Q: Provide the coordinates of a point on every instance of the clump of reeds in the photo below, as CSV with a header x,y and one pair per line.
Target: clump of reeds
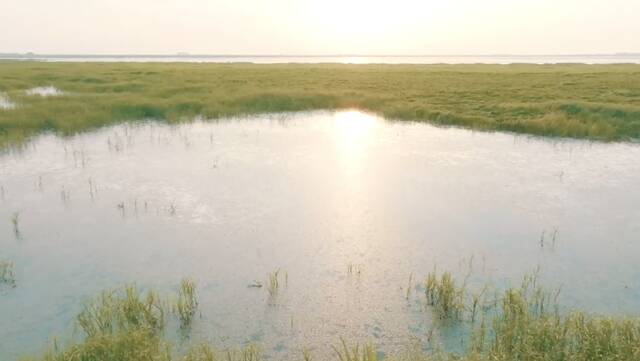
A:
x,y
204,352
366,352
248,353
354,269
443,293
122,310
186,304
7,275
273,282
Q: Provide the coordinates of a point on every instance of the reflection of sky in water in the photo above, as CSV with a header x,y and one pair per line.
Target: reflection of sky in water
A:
x,y
44,91
228,201
6,103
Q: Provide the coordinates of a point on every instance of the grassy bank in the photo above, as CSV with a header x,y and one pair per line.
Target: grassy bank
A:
x,y
581,101
520,323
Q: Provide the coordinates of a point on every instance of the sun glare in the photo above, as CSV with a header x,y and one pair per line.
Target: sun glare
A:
x,y
353,131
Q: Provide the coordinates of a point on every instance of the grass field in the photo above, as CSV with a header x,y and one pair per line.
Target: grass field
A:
x,y
599,102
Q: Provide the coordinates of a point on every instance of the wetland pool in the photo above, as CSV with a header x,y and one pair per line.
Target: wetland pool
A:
x,y
315,195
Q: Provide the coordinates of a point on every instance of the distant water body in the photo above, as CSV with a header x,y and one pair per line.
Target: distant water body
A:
x,y
356,59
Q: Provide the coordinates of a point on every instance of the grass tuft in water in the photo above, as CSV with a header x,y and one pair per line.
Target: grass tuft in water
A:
x,y
122,310
186,304
7,275
443,293
344,352
273,284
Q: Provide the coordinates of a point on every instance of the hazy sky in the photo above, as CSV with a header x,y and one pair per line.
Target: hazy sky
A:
x,y
320,27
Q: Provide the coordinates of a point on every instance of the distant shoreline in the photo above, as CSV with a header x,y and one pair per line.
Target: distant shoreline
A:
x,y
617,58
546,100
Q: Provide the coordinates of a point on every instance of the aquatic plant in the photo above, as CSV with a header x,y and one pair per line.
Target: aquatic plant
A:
x,y
126,325
353,268
186,304
122,310
7,275
366,352
306,354
445,295
409,286
273,284
15,221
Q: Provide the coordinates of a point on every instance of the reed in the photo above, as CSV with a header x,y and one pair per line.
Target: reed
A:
x,y
186,304
122,310
273,283
366,352
445,295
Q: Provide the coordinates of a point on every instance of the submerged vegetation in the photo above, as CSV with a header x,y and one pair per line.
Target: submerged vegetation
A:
x,y
186,304
581,101
7,276
443,293
525,323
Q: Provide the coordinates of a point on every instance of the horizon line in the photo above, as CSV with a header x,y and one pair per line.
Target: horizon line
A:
x,y
196,55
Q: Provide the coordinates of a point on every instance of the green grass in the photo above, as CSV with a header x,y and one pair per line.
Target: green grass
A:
x,y
581,101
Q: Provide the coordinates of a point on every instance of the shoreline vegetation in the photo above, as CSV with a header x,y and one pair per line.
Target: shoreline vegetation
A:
x,y
596,102
519,323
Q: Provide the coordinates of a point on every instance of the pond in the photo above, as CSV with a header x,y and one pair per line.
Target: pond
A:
x,y
347,205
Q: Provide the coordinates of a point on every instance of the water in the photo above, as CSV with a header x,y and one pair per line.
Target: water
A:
x,y
226,202
348,59
5,102
45,91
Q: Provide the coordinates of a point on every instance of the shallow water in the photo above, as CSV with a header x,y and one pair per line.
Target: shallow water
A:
x,y
226,202
6,103
44,91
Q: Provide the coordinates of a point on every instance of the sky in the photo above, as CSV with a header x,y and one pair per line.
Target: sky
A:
x,y
322,27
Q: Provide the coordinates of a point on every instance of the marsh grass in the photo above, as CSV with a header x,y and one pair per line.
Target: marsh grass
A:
x,y
7,275
274,282
527,325
354,269
365,352
204,352
124,310
552,100
409,286
186,304
445,295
